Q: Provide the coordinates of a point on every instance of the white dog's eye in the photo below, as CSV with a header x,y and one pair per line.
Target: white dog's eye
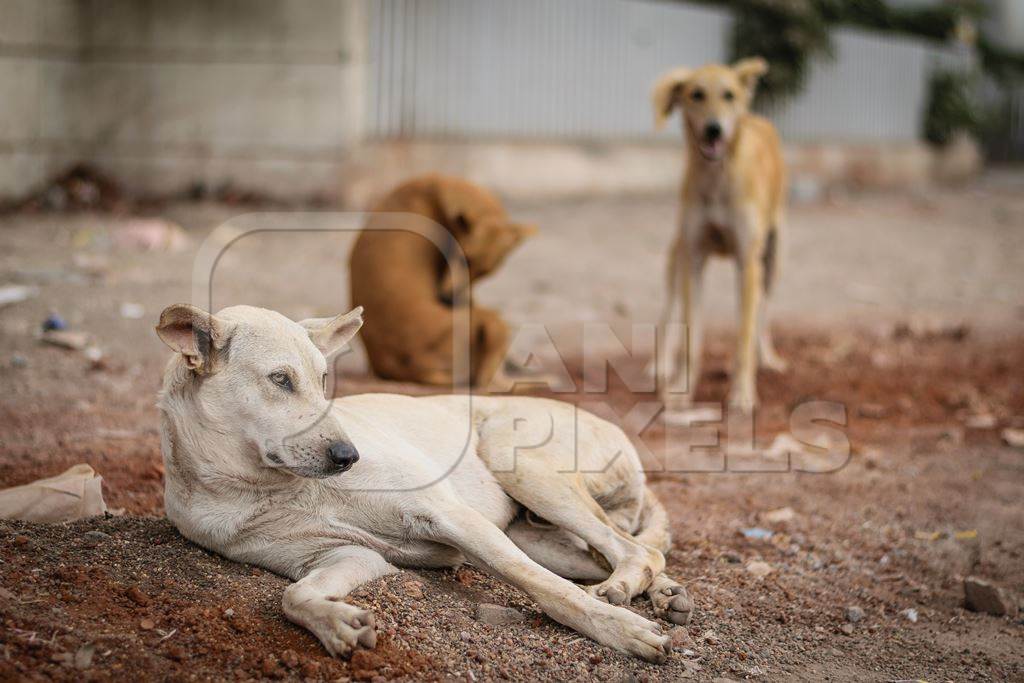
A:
x,y
282,380
323,381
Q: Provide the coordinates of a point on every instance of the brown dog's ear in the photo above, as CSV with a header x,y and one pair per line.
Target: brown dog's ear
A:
x,y
452,201
749,70
331,334
668,93
200,337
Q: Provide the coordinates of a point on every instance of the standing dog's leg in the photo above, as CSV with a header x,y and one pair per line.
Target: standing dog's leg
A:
x,y
487,547
743,394
315,601
690,274
767,356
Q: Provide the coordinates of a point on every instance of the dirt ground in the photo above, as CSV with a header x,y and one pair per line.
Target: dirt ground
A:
x,y
906,310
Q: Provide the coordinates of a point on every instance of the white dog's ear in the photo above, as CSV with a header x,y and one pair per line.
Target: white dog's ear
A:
x,y
200,337
667,94
749,70
330,334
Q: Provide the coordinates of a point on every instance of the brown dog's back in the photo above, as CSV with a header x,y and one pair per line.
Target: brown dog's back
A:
x,y
399,272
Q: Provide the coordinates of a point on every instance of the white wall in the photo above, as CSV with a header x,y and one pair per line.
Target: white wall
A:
x,y
582,69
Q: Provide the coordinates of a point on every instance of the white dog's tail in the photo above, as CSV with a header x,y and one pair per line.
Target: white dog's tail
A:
x,y
653,524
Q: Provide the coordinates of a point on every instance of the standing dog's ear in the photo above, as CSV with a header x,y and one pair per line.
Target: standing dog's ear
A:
x,y
749,70
200,337
668,94
330,334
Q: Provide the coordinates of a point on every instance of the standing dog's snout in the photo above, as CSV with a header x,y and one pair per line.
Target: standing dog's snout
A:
x,y
712,131
342,454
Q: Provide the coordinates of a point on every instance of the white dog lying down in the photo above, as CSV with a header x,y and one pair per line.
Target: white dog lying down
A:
x,y
262,468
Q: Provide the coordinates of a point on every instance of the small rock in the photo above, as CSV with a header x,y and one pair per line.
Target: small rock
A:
x,y
137,596
982,596
759,569
731,558
83,656
21,541
229,613
414,589
910,614
854,614
91,539
847,629
785,514
1013,437
147,624
496,615
19,361
290,659
269,665
680,638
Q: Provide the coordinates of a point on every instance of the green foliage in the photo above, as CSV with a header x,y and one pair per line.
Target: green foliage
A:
x,y
952,107
788,33
1005,66
936,21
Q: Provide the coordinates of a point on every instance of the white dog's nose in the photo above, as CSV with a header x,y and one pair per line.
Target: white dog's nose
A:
x,y
342,454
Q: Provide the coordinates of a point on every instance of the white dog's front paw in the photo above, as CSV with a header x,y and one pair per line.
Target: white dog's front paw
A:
x,y
627,632
341,627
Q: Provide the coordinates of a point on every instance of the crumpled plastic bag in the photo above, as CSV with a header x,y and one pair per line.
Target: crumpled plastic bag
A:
x,y
74,494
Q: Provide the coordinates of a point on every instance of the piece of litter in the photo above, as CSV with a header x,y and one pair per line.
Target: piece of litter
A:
x,y
12,294
910,614
757,533
966,535
927,535
780,515
150,234
73,494
1013,437
54,322
66,339
132,311
983,421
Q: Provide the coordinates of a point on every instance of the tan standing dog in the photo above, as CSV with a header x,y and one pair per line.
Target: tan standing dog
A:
x,y
733,199
404,279
262,467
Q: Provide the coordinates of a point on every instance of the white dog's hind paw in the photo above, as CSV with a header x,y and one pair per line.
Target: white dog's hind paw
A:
x,y
671,602
343,628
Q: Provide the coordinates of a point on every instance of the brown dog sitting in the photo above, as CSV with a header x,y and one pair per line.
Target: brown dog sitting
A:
x,y
411,295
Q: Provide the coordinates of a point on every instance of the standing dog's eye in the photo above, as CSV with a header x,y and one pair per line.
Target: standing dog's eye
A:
x,y
282,380
729,95
697,95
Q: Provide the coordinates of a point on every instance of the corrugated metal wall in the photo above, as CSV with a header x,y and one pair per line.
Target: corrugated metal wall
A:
x,y
582,69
